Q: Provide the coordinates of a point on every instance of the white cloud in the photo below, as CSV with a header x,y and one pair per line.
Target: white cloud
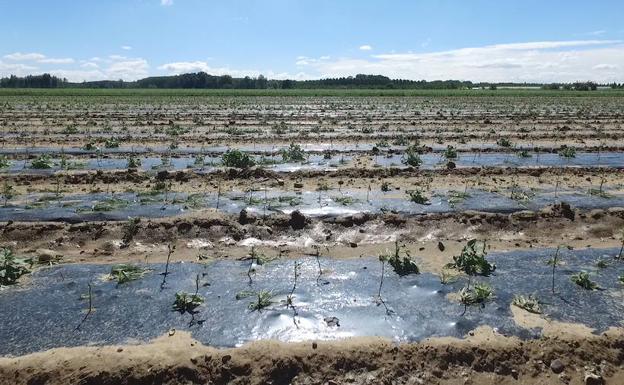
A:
x,y
166,3
545,61
56,61
131,69
18,56
89,65
37,57
605,67
18,69
201,66
365,47
126,48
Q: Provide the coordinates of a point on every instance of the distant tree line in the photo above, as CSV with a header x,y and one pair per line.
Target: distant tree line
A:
x,y
202,80
580,86
33,81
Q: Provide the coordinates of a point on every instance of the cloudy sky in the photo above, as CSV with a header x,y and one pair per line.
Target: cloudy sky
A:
x,y
479,40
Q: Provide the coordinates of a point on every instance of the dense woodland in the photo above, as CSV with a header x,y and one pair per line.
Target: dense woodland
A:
x,y
202,80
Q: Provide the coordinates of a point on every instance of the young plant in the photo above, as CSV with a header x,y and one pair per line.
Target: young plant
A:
x,y
237,159
567,151
89,296
187,303
411,158
294,153
582,280
255,259
317,255
43,161
7,192
133,162
450,153
402,265
264,299
554,262
170,250
418,196
4,161
530,303
383,258
504,142
12,267
472,260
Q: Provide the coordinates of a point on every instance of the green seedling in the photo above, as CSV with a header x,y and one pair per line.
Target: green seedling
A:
x,y
237,159
582,279
43,161
418,197
187,303
12,267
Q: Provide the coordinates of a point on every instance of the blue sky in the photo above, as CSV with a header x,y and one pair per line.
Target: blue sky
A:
x,y
481,40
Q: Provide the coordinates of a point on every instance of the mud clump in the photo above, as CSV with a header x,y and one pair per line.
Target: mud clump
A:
x,y
297,220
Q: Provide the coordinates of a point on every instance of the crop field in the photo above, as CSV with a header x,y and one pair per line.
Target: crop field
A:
x,y
218,219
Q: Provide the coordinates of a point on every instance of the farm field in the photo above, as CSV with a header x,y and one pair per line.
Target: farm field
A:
x,y
422,236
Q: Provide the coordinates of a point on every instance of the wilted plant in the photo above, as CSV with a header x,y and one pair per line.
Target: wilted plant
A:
x,y
478,295
12,267
530,303
237,159
447,277
383,258
554,262
582,279
89,296
170,250
124,273
130,229
455,197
